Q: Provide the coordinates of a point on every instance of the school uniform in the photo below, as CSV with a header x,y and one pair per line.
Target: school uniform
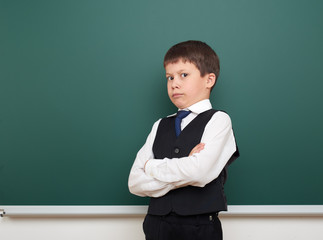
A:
x,y
186,191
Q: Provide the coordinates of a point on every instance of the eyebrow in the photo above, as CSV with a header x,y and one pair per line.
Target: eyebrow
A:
x,y
182,70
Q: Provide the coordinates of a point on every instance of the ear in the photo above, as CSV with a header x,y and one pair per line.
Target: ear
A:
x,y
210,81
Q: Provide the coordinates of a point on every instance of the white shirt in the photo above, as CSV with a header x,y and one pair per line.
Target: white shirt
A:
x,y
156,177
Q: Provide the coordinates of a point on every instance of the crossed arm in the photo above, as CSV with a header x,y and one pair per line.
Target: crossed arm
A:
x,y
156,177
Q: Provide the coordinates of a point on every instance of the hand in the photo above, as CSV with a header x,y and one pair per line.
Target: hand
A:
x,y
198,148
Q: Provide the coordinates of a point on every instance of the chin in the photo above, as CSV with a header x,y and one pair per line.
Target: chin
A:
x,y
177,105
180,106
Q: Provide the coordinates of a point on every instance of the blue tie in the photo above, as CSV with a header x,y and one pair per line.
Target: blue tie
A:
x,y
180,115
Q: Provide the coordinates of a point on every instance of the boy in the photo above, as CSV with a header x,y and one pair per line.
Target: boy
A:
x,y
182,165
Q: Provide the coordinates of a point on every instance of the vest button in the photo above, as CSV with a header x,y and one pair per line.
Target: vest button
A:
x,y
176,150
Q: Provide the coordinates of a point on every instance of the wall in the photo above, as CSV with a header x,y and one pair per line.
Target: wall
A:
x,y
97,228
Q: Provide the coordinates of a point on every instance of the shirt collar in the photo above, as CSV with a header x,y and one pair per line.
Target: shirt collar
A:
x,y
198,107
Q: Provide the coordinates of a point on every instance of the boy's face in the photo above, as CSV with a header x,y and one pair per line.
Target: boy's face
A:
x,y
185,85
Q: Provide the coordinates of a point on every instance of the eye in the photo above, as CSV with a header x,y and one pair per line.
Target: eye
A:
x,y
169,78
184,75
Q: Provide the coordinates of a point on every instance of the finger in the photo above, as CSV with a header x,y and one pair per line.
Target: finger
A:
x,y
196,149
199,147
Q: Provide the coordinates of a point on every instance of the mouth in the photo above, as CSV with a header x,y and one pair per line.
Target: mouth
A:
x,y
177,95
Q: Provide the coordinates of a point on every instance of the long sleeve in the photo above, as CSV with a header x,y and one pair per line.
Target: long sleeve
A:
x,y
200,168
139,182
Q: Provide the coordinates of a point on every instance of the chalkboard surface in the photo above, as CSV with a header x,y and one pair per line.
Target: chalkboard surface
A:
x,y
82,82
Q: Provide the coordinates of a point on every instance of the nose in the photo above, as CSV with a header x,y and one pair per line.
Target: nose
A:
x,y
175,83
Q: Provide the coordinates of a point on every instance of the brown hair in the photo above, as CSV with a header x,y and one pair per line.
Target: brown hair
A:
x,y
196,52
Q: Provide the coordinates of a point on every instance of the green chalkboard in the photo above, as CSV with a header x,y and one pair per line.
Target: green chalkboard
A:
x,y
82,82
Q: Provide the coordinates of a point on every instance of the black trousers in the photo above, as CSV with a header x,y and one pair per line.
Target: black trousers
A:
x,y
175,227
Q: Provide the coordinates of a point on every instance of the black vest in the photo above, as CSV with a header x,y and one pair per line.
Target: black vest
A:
x,y
187,200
